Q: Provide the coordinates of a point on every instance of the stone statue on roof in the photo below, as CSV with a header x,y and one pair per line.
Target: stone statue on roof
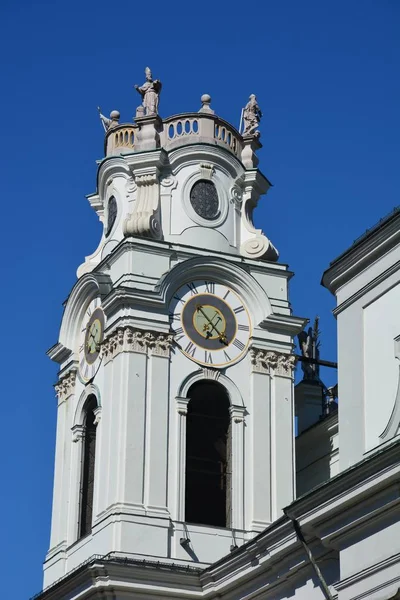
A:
x,y
150,92
251,117
309,347
112,122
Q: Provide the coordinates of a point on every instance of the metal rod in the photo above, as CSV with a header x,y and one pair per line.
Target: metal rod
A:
x,y
317,361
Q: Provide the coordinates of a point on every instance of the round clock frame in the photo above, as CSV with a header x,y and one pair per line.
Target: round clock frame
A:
x,y
212,325
92,334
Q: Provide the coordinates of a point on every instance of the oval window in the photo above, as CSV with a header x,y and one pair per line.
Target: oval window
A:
x,y
204,200
111,214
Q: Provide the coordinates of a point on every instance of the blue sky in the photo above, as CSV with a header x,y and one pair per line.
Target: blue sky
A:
x,y
326,75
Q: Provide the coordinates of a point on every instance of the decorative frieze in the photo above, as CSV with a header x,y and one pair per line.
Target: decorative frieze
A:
x,y
65,386
267,361
127,339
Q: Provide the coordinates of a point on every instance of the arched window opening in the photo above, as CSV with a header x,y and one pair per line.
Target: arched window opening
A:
x,y
208,456
112,210
88,463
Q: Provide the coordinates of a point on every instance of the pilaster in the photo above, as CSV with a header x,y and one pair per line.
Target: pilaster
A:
x,y
271,479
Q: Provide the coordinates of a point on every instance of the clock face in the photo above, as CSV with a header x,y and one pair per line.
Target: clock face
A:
x,y
210,322
92,332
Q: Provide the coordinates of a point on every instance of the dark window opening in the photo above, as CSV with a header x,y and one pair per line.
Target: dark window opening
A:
x,y
204,199
88,462
111,214
208,456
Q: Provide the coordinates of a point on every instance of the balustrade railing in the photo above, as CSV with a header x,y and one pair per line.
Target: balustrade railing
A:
x,y
178,131
119,139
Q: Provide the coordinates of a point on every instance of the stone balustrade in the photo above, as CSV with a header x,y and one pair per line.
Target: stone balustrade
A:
x,y
179,130
120,139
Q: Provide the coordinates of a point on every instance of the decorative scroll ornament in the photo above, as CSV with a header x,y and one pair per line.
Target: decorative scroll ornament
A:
x,y
127,339
236,196
65,386
265,361
130,187
144,220
255,244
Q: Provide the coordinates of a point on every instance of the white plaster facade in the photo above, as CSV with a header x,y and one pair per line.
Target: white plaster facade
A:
x,y
134,550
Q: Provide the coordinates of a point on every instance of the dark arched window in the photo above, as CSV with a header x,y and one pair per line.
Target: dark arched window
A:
x,y
208,456
88,462
112,210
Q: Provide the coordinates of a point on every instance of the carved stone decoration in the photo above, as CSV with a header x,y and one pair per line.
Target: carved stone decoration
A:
x,y
236,196
130,187
127,339
65,386
144,220
161,345
211,373
267,361
255,244
206,170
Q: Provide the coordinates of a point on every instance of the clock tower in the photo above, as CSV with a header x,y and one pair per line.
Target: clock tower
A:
x,y
175,431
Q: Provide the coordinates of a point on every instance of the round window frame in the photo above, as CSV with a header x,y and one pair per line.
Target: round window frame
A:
x,y
222,198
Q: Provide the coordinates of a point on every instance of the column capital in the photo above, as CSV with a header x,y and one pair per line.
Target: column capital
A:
x,y
271,362
182,405
65,386
237,413
129,339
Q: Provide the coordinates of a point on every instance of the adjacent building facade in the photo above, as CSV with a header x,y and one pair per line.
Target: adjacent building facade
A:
x,y
175,469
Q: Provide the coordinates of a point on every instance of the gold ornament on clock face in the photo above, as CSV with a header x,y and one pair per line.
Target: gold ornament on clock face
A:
x,y
211,323
92,333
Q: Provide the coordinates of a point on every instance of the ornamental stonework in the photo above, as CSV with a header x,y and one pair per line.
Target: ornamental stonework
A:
x,y
65,386
268,361
127,339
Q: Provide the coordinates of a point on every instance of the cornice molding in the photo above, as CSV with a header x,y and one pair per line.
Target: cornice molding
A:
x,y
360,256
129,339
270,362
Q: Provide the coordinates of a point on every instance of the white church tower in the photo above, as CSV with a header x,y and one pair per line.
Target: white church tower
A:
x,y
175,432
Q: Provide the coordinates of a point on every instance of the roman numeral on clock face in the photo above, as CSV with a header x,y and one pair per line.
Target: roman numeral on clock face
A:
x,y
210,287
208,358
192,288
243,328
191,349
238,310
238,344
179,332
